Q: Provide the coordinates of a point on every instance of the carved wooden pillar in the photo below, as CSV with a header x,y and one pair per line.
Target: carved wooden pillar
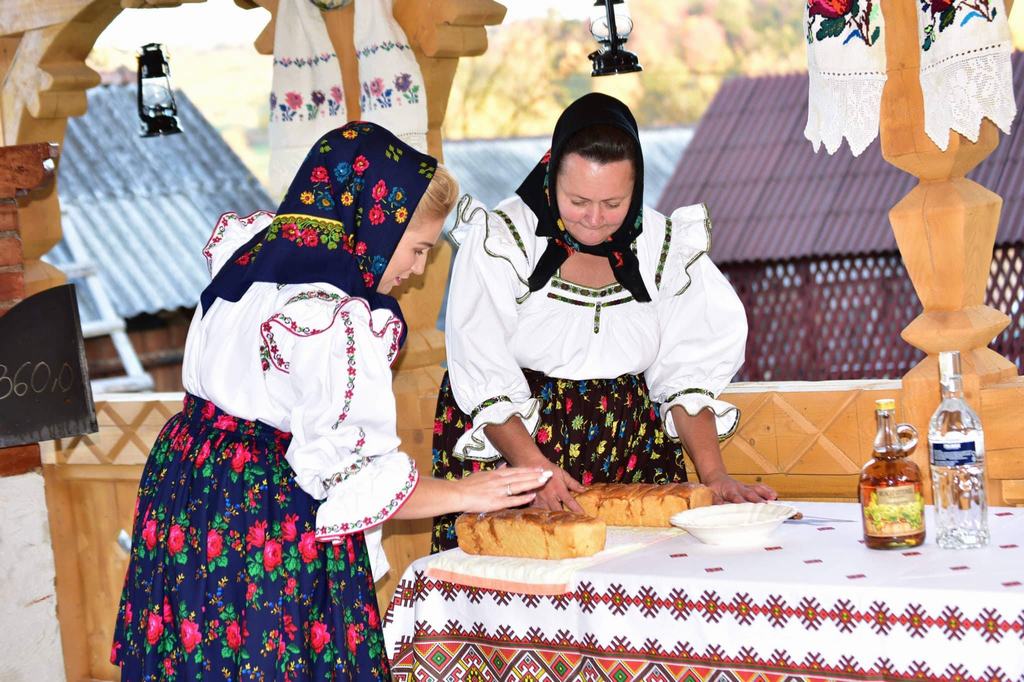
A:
x,y
23,169
42,62
945,228
440,33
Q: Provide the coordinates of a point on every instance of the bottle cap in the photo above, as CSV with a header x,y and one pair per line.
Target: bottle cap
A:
x,y
949,363
885,404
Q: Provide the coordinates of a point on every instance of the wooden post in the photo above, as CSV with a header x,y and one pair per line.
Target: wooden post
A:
x,y
945,228
22,169
440,33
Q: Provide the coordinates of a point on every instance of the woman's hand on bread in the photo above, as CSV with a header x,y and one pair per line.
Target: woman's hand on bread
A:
x,y
518,448
557,493
500,488
728,489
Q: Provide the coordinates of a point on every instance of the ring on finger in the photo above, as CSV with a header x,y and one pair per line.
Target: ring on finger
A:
x,y
508,489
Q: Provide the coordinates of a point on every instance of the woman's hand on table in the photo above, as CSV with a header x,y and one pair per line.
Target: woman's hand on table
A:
x,y
500,488
728,489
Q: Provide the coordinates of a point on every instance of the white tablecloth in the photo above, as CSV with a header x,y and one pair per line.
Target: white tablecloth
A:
x,y
812,602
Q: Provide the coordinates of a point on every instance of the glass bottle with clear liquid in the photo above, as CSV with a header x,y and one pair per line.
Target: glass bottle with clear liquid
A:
x,y
956,447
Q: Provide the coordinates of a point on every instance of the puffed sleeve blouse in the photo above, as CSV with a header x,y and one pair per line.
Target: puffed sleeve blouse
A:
x,y
688,341
310,360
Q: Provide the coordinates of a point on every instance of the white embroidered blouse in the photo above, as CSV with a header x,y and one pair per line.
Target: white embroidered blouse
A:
x,y
688,341
310,360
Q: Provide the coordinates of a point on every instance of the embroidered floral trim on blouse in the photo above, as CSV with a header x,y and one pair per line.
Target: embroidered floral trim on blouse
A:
x,y
664,253
596,305
336,530
487,403
691,391
580,290
270,355
393,324
221,228
352,469
511,228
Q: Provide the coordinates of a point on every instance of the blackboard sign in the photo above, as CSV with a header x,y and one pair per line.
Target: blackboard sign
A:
x,y
44,381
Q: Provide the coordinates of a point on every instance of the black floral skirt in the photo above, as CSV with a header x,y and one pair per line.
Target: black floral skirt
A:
x,y
598,431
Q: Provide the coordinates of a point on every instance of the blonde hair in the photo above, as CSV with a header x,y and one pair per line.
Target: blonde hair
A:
x,y
441,195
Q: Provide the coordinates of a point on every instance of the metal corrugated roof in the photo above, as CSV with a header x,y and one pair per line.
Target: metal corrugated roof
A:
x,y
491,170
141,209
771,197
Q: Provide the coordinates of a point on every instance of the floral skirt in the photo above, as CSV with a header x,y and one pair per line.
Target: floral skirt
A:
x,y
598,431
226,580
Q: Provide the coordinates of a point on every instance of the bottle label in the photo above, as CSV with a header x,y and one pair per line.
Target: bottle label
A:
x,y
893,511
954,454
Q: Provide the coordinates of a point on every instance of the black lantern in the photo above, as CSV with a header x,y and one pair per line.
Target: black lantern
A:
x,y
157,111
610,24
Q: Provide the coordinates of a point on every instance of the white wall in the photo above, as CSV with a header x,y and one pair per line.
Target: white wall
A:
x,y
30,648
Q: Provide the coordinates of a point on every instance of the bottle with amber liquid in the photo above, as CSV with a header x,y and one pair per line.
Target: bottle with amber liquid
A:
x,y
891,498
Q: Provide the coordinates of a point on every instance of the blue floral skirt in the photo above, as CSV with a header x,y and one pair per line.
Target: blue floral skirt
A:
x,y
226,580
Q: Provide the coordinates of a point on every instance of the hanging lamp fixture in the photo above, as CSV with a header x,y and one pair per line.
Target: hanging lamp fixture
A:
x,y
157,111
610,24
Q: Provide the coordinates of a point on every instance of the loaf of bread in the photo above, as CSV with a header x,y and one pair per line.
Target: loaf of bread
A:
x,y
641,504
531,533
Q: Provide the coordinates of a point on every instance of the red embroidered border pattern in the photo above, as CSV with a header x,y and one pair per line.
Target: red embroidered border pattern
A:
x,y
709,606
479,655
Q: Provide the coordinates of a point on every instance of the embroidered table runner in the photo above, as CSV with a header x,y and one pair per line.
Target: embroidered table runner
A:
x,y
813,604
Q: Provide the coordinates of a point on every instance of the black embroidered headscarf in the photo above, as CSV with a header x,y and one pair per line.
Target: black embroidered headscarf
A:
x,y
538,191
340,222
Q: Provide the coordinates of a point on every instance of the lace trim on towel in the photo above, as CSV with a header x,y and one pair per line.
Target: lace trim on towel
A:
x,y
843,105
963,89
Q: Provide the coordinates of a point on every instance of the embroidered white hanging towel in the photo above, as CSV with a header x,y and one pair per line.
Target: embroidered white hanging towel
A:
x,y
392,92
846,72
965,67
306,98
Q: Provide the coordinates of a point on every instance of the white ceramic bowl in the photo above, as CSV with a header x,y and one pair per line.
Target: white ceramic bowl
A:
x,y
733,524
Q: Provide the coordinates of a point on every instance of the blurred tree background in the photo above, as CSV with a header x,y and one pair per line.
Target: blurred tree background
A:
x,y
533,68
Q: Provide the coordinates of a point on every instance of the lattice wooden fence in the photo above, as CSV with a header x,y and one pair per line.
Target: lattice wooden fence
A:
x,y
840,318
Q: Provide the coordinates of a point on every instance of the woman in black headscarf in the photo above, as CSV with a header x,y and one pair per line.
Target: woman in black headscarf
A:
x,y
587,333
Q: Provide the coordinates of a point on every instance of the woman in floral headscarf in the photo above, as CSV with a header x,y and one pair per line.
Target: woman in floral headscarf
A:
x,y
257,528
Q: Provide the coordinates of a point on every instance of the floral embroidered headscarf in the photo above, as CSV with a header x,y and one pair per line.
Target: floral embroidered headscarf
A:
x,y
340,221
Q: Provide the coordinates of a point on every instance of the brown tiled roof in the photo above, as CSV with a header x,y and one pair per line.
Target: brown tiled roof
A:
x,y
772,198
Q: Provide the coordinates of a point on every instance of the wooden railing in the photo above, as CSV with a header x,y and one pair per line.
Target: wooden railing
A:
x,y
808,440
